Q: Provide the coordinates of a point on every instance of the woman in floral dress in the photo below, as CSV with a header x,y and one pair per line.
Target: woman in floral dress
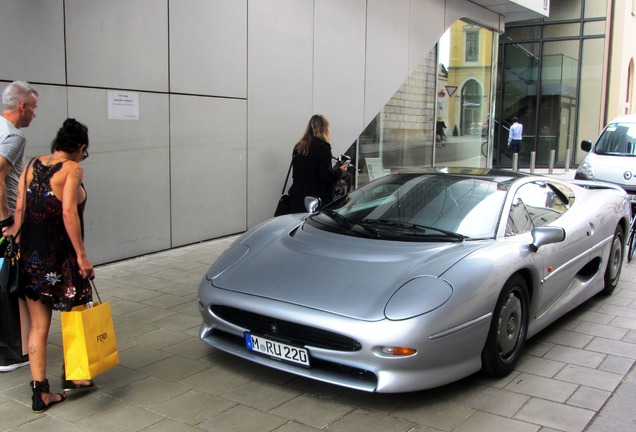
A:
x,y
54,268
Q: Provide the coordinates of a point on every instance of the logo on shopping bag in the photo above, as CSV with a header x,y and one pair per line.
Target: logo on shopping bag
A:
x,y
102,337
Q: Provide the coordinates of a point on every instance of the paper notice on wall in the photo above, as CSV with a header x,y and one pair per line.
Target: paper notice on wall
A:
x,y
123,105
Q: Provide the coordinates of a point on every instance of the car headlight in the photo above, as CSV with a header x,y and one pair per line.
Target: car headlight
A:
x,y
417,297
585,171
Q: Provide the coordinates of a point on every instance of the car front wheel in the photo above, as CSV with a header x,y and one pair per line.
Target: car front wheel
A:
x,y
614,262
508,329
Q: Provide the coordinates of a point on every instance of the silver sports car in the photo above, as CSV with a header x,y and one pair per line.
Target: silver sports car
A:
x,y
416,279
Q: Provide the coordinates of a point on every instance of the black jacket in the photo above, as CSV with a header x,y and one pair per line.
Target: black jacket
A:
x,y
313,175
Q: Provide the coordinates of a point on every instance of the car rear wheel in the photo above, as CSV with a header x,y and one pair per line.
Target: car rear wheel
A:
x,y
508,329
614,262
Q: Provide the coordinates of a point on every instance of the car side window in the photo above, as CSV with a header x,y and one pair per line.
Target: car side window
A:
x,y
535,204
519,219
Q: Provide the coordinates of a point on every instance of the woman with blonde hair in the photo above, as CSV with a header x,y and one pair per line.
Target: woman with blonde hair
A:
x,y
313,173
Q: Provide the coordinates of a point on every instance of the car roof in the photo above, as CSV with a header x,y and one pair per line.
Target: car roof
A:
x,y
627,118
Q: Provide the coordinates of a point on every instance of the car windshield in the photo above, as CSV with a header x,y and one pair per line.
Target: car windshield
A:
x,y
418,207
617,140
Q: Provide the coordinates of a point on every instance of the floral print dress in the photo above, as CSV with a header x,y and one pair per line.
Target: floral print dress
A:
x,y
49,271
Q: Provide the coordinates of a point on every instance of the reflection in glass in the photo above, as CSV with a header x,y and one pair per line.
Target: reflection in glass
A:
x,y
596,8
591,91
561,30
594,28
518,95
440,115
565,10
559,74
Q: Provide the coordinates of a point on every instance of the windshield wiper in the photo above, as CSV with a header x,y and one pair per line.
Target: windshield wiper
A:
x,y
349,223
408,225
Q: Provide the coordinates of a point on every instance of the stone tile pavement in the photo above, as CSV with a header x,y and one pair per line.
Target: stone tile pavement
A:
x,y
169,380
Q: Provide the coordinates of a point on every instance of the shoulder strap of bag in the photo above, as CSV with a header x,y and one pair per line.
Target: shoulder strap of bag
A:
x,y
26,172
287,178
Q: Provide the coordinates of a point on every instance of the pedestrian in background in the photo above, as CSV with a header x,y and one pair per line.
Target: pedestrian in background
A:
x,y
19,101
515,136
313,173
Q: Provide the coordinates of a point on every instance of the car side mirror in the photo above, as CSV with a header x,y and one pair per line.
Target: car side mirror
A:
x,y
312,204
586,146
546,235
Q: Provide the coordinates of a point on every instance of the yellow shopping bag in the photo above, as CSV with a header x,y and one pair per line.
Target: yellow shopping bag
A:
x,y
88,337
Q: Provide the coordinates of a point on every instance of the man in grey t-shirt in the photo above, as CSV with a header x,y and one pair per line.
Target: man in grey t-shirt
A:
x,y
19,101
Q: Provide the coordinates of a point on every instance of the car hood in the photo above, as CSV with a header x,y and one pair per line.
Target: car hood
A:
x,y
620,170
292,262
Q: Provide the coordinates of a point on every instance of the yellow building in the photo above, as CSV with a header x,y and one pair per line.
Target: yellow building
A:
x,y
470,67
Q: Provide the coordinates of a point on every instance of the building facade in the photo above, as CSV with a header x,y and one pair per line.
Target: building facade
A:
x,y
564,77
193,106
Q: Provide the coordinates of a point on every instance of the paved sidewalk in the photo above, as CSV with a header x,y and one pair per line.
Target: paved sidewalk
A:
x,y
169,380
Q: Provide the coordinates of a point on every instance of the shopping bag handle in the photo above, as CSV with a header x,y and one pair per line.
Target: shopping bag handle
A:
x,y
95,289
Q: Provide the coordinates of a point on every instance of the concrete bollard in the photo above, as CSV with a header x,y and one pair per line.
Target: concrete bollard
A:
x,y
515,161
533,157
552,155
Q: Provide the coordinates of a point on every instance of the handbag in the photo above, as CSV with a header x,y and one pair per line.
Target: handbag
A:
x,y
10,259
284,206
88,338
9,266
11,341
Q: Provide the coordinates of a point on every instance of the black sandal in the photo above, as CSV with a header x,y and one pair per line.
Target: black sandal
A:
x,y
38,404
69,385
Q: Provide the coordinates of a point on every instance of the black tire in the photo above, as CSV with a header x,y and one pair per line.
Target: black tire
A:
x,y
631,244
614,262
508,329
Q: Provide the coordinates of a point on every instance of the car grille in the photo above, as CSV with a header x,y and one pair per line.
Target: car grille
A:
x,y
294,333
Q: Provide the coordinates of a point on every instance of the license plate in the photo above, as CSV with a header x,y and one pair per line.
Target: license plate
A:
x,y
277,350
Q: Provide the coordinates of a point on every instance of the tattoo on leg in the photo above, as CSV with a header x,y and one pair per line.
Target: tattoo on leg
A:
x,y
33,350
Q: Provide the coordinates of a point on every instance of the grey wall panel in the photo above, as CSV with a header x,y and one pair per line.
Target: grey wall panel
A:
x,y
208,168
32,41
387,52
280,74
208,47
126,175
117,44
339,60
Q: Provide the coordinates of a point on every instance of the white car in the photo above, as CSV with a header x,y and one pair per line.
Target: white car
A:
x,y
613,157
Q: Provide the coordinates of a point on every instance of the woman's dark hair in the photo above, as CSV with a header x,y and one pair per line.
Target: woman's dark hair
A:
x,y
71,136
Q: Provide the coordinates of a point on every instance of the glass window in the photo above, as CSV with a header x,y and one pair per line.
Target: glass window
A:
x,y
472,46
419,207
535,205
565,10
558,108
593,28
596,8
617,140
591,92
561,30
523,33
518,89
519,220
